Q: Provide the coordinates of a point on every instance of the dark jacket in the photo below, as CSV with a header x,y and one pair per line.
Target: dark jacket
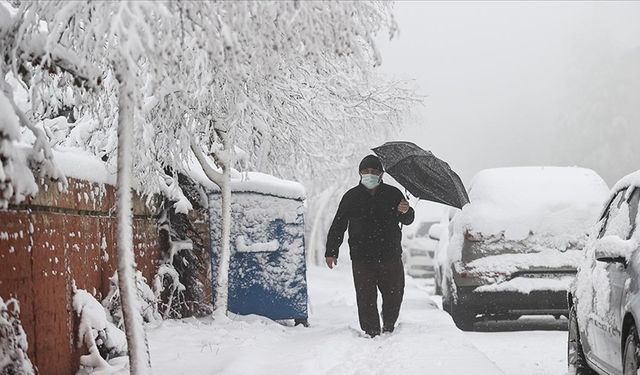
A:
x,y
373,221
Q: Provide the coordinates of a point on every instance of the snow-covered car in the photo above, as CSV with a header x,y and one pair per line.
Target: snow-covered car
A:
x,y
604,299
419,262
440,232
434,234
515,248
419,251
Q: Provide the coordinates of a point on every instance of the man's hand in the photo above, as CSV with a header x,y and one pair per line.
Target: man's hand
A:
x,y
403,207
331,261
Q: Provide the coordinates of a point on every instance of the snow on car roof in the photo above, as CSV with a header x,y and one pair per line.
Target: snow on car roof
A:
x,y
631,180
521,200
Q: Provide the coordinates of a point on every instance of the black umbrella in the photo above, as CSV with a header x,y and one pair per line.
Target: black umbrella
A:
x,y
422,173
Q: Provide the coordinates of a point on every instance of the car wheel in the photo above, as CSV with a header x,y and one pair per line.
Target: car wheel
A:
x,y
447,296
576,359
463,319
630,357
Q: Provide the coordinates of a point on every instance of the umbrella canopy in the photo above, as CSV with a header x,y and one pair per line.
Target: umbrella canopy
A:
x,y
422,173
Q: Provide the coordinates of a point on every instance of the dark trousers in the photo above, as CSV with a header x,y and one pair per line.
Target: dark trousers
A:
x,y
388,277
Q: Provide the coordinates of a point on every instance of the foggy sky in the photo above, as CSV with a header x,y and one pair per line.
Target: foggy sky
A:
x,y
536,83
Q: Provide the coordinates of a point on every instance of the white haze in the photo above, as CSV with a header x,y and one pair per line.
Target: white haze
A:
x,y
536,83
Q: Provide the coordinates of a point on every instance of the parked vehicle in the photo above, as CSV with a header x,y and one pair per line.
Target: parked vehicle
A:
x,y
419,260
604,299
515,248
440,232
418,251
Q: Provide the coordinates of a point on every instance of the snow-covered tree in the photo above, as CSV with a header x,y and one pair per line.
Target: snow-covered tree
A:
x,y
24,53
104,37
288,82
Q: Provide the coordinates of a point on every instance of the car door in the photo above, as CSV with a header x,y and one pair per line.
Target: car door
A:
x,y
609,291
594,346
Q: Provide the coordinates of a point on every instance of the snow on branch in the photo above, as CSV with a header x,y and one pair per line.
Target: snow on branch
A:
x,y
212,174
26,50
102,338
16,180
13,341
41,156
147,302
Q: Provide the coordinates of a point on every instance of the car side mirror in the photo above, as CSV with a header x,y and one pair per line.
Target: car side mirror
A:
x,y
609,259
612,249
435,233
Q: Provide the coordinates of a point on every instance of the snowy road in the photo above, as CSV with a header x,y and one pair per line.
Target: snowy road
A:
x,y
527,346
425,342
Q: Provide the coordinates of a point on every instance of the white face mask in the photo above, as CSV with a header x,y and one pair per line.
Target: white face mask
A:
x,y
370,181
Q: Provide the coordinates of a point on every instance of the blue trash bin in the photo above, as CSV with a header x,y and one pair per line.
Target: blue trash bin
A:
x,y
267,272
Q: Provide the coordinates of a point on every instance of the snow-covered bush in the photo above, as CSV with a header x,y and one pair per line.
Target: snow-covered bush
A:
x,y
13,341
147,302
102,338
15,184
178,284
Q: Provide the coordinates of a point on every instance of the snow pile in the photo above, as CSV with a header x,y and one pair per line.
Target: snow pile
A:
x,y
13,341
511,263
147,302
526,285
249,182
524,200
80,164
257,182
102,338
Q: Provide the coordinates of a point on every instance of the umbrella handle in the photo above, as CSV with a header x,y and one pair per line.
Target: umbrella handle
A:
x,y
406,195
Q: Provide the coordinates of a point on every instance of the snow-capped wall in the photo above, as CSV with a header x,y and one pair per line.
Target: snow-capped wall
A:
x,y
56,240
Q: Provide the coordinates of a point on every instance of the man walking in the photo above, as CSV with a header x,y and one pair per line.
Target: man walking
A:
x,y
372,211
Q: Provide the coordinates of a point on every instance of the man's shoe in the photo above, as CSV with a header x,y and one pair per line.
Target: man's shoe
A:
x,y
387,329
372,334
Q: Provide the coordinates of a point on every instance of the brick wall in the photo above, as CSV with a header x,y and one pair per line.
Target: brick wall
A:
x,y
54,240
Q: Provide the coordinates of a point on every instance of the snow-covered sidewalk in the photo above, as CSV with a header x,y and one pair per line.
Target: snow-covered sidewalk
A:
x,y
425,342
